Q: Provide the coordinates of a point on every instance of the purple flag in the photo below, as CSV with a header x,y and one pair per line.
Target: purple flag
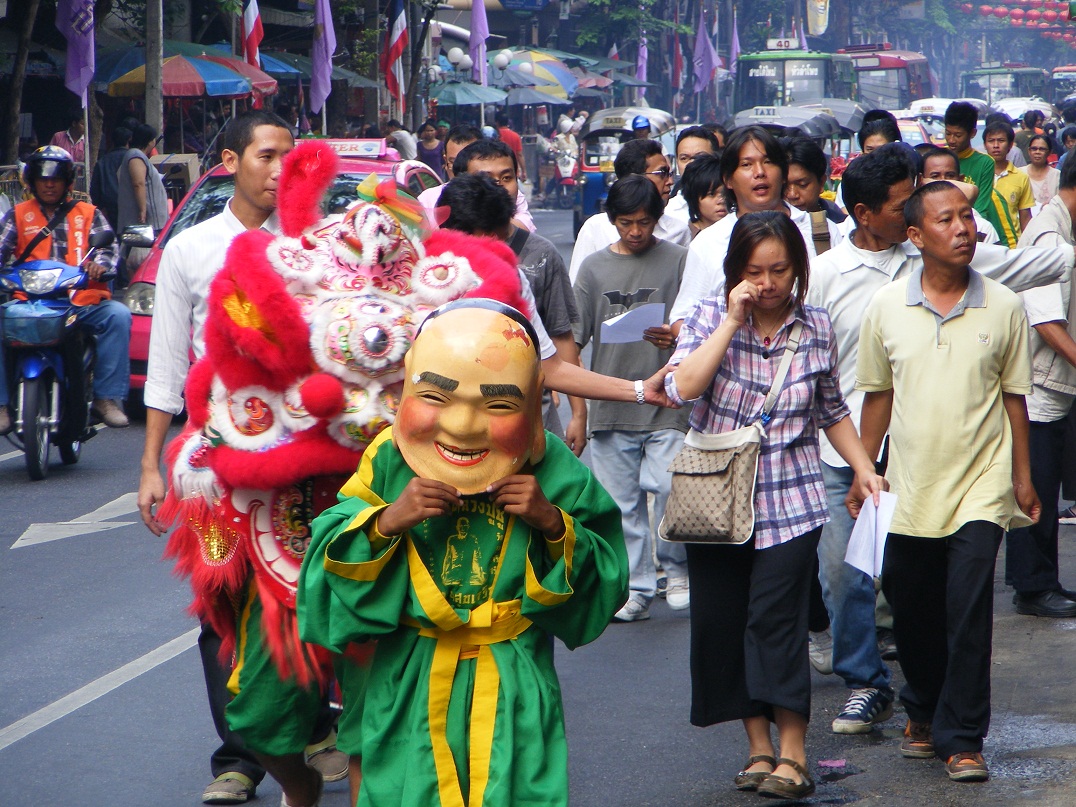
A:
x,y
477,43
74,19
734,48
640,66
803,37
322,55
705,57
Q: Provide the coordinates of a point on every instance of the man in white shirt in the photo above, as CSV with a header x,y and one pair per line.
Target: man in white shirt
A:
x,y
402,140
690,143
843,281
1031,564
255,144
635,157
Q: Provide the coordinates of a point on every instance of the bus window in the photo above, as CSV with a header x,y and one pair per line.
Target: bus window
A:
x,y
805,80
763,85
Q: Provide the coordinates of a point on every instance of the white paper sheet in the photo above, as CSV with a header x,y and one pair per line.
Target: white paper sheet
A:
x,y
629,326
866,547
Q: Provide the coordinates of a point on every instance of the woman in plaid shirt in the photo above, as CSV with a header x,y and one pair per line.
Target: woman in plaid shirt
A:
x,y
749,617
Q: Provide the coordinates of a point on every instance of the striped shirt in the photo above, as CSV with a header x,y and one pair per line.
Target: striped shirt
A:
x,y
790,495
190,262
9,239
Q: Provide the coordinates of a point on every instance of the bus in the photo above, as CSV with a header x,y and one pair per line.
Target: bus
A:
x,y
780,76
1062,83
993,82
883,78
875,75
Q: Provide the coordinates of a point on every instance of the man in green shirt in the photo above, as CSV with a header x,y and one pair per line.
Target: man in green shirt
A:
x,y
961,119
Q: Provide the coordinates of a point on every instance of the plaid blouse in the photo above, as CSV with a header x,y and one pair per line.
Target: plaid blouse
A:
x,y
790,495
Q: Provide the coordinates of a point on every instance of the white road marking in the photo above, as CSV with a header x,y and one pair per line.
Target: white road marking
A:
x,y
10,455
95,689
92,522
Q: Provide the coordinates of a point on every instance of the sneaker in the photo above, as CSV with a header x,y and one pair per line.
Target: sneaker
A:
x,y
229,788
5,420
1067,516
820,651
662,584
327,759
632,611
865,708
967,766
678,593
110,413
918,742
887,644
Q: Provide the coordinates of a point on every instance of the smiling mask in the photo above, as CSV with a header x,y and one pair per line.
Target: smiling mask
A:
x,y
471,407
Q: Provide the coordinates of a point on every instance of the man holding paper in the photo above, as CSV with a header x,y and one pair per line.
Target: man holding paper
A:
x,y
945,365
632,446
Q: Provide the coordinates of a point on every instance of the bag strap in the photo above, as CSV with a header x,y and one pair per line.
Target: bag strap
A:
x,y
57,217
791,346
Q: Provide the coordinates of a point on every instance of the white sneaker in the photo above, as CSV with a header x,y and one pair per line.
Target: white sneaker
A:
x,y
820,651
632,611
678,593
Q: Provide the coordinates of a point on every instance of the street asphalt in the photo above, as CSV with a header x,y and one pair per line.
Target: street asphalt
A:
x,y
102,701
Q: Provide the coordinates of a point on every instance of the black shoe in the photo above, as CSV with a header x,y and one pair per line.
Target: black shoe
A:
x,y
887,644
1045,603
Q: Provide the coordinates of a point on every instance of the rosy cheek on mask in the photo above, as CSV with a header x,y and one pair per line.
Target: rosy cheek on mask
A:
x,y
511,435
416,420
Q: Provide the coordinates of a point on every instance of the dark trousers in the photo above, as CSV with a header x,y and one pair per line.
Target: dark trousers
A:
x,y
233,756
1031,552
749,629
942,594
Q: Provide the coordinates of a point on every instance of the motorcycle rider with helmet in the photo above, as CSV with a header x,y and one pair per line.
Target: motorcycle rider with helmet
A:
x,y
49,173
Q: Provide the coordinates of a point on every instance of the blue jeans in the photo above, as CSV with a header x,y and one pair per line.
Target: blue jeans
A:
x,y
110,323
630,465
848,593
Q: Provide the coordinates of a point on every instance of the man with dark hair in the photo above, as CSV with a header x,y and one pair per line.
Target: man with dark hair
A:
x,y
104,186
938,163
142,197
496,160
877,133
1014,186
73,138
399,138
480,207
1031,564
938,398
961,120
690,143
643,157
254,145
843,281
632,449
1032,125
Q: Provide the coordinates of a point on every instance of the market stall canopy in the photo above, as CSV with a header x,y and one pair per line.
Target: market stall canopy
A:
x,y
528,96
185,77
306,69
590,79
464,94
625,80
550,68
512,77
270,65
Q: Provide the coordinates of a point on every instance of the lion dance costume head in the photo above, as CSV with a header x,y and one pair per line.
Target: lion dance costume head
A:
x,y
305,342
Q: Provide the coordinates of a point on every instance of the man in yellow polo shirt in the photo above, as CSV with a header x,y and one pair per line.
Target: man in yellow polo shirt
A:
x,y
945,365
1014,186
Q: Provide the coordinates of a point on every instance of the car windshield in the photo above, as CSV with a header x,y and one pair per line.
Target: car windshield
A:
x,y
213,194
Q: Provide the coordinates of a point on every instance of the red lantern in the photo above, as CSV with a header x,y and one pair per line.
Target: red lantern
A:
x,y
1044,25
986,11
1036,3
967,8
1016,23
1033,15
1001,12
1017,14
1069,37
1050,16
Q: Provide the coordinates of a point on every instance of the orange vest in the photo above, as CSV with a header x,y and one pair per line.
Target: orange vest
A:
x,y
79,221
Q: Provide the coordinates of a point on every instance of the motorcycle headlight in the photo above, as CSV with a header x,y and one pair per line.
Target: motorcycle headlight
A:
x,y
39,282
139,298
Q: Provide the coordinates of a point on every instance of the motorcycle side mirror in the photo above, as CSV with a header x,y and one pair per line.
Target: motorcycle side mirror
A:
x,y
138,235
104,239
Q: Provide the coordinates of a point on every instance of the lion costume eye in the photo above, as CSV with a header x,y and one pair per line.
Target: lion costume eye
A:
x,y
361,337
248,418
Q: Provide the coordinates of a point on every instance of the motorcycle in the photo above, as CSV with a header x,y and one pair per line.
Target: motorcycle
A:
x,y
48,359
564,162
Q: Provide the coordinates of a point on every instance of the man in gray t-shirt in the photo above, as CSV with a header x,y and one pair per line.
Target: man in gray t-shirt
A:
x,y
632,446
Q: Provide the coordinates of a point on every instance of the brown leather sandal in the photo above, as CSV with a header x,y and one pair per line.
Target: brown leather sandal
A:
x,y
750,780
781,787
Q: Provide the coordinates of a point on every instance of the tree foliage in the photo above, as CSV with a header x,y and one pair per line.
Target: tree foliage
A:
x,y
628,18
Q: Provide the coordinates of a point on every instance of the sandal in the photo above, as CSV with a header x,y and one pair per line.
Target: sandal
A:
x,y
750,780
781,787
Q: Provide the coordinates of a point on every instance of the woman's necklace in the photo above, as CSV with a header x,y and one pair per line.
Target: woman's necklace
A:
x,y
768,333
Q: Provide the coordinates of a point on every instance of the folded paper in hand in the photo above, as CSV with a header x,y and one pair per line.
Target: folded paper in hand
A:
x,y
629,326
866,546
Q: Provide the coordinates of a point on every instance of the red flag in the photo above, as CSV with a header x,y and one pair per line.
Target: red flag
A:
x,y
392,55
252,32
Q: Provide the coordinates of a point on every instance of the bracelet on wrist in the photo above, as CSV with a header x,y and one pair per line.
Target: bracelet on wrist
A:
x,y
640,394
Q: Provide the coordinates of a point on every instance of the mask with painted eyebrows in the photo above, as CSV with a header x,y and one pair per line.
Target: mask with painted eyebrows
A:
x,y
470,413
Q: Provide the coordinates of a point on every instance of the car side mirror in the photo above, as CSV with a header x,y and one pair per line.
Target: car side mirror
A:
x,y
138,236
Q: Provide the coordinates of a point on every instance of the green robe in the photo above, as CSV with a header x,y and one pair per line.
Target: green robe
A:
x,y
463,705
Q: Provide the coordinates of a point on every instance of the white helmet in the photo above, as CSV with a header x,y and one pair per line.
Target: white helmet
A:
x,y
565,126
